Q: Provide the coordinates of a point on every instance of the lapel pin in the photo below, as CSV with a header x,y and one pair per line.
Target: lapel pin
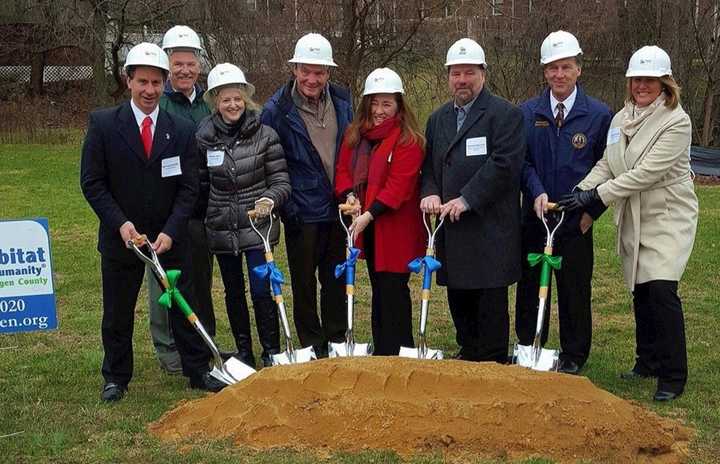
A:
x,y
167,136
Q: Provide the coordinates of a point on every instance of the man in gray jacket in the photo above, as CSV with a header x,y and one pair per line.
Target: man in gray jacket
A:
x,y
471,178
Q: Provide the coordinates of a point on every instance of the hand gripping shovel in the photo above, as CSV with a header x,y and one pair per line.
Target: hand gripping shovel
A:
x,y
536,357
348,347
428,264
270,271
231,371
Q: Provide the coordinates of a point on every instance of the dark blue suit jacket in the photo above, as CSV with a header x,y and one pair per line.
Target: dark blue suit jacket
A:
x,y
121,184
558,159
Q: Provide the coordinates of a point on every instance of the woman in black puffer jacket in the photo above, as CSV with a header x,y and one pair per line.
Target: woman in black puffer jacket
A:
x,y
244,168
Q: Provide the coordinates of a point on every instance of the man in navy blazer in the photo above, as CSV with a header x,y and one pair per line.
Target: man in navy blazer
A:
x,y
139,175
566,130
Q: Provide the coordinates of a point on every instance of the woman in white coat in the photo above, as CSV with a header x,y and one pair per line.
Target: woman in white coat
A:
x,y
645,171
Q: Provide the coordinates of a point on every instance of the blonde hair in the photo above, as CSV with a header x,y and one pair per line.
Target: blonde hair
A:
x,y
247,99
670,88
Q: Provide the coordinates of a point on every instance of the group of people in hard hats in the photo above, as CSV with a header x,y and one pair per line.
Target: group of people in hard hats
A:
x,y
184,166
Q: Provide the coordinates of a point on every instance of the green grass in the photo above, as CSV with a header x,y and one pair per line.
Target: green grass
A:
x,y
50,382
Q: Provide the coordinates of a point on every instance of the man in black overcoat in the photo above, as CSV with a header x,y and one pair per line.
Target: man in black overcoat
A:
x,y
471,177
139,174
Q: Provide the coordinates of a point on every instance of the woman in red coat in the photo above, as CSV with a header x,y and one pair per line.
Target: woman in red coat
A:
x,y
379,172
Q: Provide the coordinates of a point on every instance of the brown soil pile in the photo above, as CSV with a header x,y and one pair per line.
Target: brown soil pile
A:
x,y
453,407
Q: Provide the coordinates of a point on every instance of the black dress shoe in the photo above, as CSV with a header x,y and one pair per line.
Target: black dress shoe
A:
x,y
661,395
568,367
267,357
632,374
112,392
206,382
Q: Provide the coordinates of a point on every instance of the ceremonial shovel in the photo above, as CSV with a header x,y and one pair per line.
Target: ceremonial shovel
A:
x,y
348,347
270,271
429,265
535,356
231,371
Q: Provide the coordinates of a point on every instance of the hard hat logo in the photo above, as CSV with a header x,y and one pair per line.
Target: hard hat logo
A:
x,y
462,51
558,44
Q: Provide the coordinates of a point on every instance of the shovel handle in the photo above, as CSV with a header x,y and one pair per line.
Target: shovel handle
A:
x,y
553,207
344,207
139,241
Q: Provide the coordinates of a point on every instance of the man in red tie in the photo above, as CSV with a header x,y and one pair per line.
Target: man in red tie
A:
x,y
139,175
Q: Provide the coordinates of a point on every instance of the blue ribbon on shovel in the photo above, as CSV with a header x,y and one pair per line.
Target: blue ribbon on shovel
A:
x,y
348,267
269,270
430,265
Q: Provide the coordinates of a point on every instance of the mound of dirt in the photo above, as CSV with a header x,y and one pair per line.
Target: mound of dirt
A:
x,y
413,407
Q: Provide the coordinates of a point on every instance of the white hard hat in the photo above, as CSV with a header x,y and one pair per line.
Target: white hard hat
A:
x,y
313,49
559,45
649,61
465,51
225,74
181,37
383,80
147,54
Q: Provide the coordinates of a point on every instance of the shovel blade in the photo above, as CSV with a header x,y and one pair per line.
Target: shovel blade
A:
x,y
524,355
415,353
301,356
339,350
232,371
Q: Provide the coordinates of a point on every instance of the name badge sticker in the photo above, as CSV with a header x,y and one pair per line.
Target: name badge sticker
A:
x,y
476,146
215,158
171,167
613,135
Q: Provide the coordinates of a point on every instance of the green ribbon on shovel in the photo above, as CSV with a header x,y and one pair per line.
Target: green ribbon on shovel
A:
x,y
548,262
173,294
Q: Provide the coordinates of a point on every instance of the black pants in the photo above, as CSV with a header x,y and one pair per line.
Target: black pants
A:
x,y
312,248
391,304
660,334
121,283
266,316
482,323
574,294
202,273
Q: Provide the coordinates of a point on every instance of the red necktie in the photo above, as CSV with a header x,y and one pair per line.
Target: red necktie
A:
x,y
146,135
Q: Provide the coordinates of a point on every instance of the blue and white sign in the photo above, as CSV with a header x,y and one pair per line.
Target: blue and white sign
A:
x,y
27,295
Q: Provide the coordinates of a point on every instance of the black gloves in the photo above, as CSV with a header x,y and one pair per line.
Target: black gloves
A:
x,y
580,199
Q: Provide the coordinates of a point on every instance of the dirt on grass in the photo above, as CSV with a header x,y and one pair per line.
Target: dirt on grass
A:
x,y
454,408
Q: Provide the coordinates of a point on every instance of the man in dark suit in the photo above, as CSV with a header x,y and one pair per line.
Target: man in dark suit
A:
x,y
139,176
471,177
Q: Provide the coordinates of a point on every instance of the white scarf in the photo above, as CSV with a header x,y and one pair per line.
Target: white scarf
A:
x,y
634,117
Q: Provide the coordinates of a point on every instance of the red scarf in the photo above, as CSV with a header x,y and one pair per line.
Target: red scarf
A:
x,y
369,139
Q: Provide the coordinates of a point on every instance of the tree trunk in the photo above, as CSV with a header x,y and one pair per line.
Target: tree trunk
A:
x,y
707,116
37,71
100,78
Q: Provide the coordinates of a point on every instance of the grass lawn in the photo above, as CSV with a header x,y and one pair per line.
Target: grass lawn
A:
x,y
50,382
